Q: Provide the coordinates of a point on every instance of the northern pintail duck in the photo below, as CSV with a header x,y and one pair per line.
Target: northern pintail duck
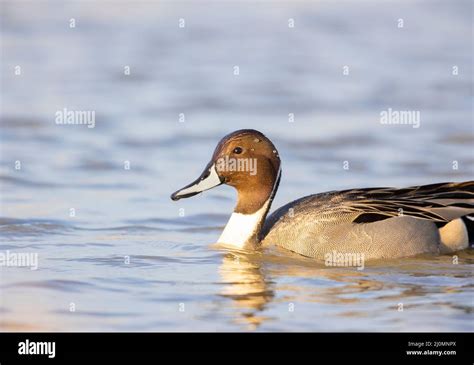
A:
x,y
376,222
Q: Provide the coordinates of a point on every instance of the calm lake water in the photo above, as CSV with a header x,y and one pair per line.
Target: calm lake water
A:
x,y
116,254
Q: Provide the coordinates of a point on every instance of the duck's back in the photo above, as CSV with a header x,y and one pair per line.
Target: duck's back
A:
x,y
378,222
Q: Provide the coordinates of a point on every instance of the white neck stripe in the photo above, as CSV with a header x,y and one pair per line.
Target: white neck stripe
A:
x,y
242,227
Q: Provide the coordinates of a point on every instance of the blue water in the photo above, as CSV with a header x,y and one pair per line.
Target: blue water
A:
x,y
130,258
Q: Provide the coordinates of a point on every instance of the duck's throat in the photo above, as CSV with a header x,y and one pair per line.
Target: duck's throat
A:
x,y
242,231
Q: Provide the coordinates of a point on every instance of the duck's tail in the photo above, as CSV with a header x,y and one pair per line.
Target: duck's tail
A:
x,y
449,205
468,221
456,202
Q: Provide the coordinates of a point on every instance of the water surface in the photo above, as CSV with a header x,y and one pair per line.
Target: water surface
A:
x,y
116,254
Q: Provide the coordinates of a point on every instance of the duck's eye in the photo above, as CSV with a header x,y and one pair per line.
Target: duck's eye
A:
x,y
237,150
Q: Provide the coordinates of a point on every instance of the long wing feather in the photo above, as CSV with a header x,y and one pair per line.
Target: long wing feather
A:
x,y
436,202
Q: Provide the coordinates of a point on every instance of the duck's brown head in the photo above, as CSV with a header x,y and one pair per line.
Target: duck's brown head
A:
x,y
246,160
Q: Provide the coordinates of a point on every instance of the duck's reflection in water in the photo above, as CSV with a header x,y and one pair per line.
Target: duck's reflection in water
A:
x,y
246,285
247,282
253,280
